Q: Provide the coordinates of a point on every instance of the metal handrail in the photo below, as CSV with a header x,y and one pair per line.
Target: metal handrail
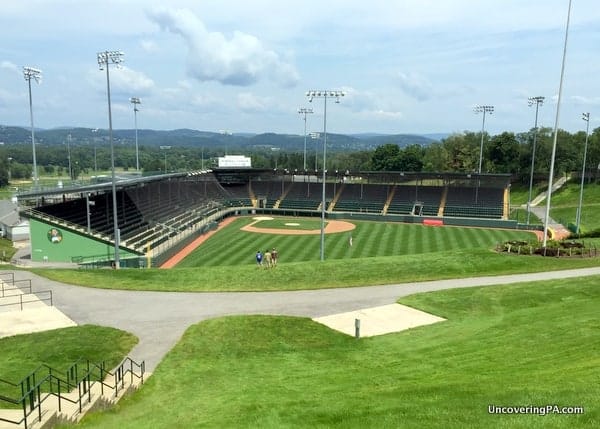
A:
x,y
31,389
24,295
11,275
14,282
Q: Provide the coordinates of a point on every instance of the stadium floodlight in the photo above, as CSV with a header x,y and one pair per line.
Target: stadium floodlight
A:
x,y
106,58
555,139
165,148
586,118
316,136
482,109
305,111
36,74
136,101
324,94
538,101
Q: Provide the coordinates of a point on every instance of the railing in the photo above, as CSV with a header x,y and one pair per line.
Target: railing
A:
x,y
14,282
43,383
9,275
24,298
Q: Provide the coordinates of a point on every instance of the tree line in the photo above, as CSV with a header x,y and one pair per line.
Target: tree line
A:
x,y
502,153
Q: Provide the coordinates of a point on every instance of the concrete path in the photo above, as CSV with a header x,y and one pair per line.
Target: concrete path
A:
x,y
159,319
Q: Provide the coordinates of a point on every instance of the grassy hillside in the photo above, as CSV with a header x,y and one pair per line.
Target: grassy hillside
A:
x,y
529,344
59,348
566,200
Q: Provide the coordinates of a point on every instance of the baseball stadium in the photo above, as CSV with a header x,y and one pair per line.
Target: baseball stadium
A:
x,y
392,302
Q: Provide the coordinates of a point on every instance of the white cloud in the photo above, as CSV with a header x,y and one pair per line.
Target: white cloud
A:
x,y
149,46
415,86
124,80
239,60
250,103
11,67
587,101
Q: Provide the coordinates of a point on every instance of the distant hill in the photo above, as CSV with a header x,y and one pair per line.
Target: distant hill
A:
x,y
195,138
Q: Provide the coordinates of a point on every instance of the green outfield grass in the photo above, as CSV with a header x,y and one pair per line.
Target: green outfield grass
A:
x,y
231,246
285,223
527,344
60,348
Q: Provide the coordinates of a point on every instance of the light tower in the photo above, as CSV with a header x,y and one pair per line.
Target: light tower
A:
x,y
555,137
538,101
136,101
32,73
106,58
324,94
305,111
586,118
482,109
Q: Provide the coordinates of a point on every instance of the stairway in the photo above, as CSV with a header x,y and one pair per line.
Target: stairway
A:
x,y
71,407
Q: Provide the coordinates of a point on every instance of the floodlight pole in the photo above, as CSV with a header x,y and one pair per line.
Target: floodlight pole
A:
x,y
324,94
484,110
135,101
555,139
316,136
538,101
586,118
165,148
32,73
69,157
106,58
304,111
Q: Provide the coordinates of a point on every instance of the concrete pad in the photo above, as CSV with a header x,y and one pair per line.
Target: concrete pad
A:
x,y
379,320
37,318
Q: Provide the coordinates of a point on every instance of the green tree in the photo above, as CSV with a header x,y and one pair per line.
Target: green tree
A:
x,y
411,158
503,154
386,158
435,158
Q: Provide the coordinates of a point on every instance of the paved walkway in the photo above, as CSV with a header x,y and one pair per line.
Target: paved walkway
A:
x,y
159,319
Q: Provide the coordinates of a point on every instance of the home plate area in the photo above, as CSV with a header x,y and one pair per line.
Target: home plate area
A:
x,y
379,320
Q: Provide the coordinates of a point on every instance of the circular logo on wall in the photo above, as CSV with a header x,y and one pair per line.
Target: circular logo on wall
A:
x,y
54,235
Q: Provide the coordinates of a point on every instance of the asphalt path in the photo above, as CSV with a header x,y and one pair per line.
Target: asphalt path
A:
x,y
159,319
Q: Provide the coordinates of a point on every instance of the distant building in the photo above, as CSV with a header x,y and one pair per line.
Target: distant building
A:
x,y
234,161
11,225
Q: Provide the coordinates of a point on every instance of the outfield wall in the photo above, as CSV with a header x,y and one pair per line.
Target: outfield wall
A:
x,y
473,222
53,243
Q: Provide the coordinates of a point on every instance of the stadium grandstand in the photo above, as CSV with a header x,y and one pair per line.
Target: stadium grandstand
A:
x,y
158,215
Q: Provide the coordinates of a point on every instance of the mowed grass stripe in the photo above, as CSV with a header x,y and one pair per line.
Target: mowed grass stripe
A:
x,y
365,240
231,246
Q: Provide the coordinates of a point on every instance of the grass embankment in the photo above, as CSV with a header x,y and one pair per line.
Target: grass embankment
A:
x,y
318,275
6,249
566,201
519,195
60,348
527,344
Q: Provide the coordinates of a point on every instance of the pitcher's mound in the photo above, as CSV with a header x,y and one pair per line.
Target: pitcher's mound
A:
x,y
379,320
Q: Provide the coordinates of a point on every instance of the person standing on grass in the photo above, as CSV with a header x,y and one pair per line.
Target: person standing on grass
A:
x,y
268,258
259,258
350,240
274,256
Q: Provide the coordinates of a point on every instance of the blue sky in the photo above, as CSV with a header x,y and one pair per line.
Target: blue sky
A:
x,y
410,66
